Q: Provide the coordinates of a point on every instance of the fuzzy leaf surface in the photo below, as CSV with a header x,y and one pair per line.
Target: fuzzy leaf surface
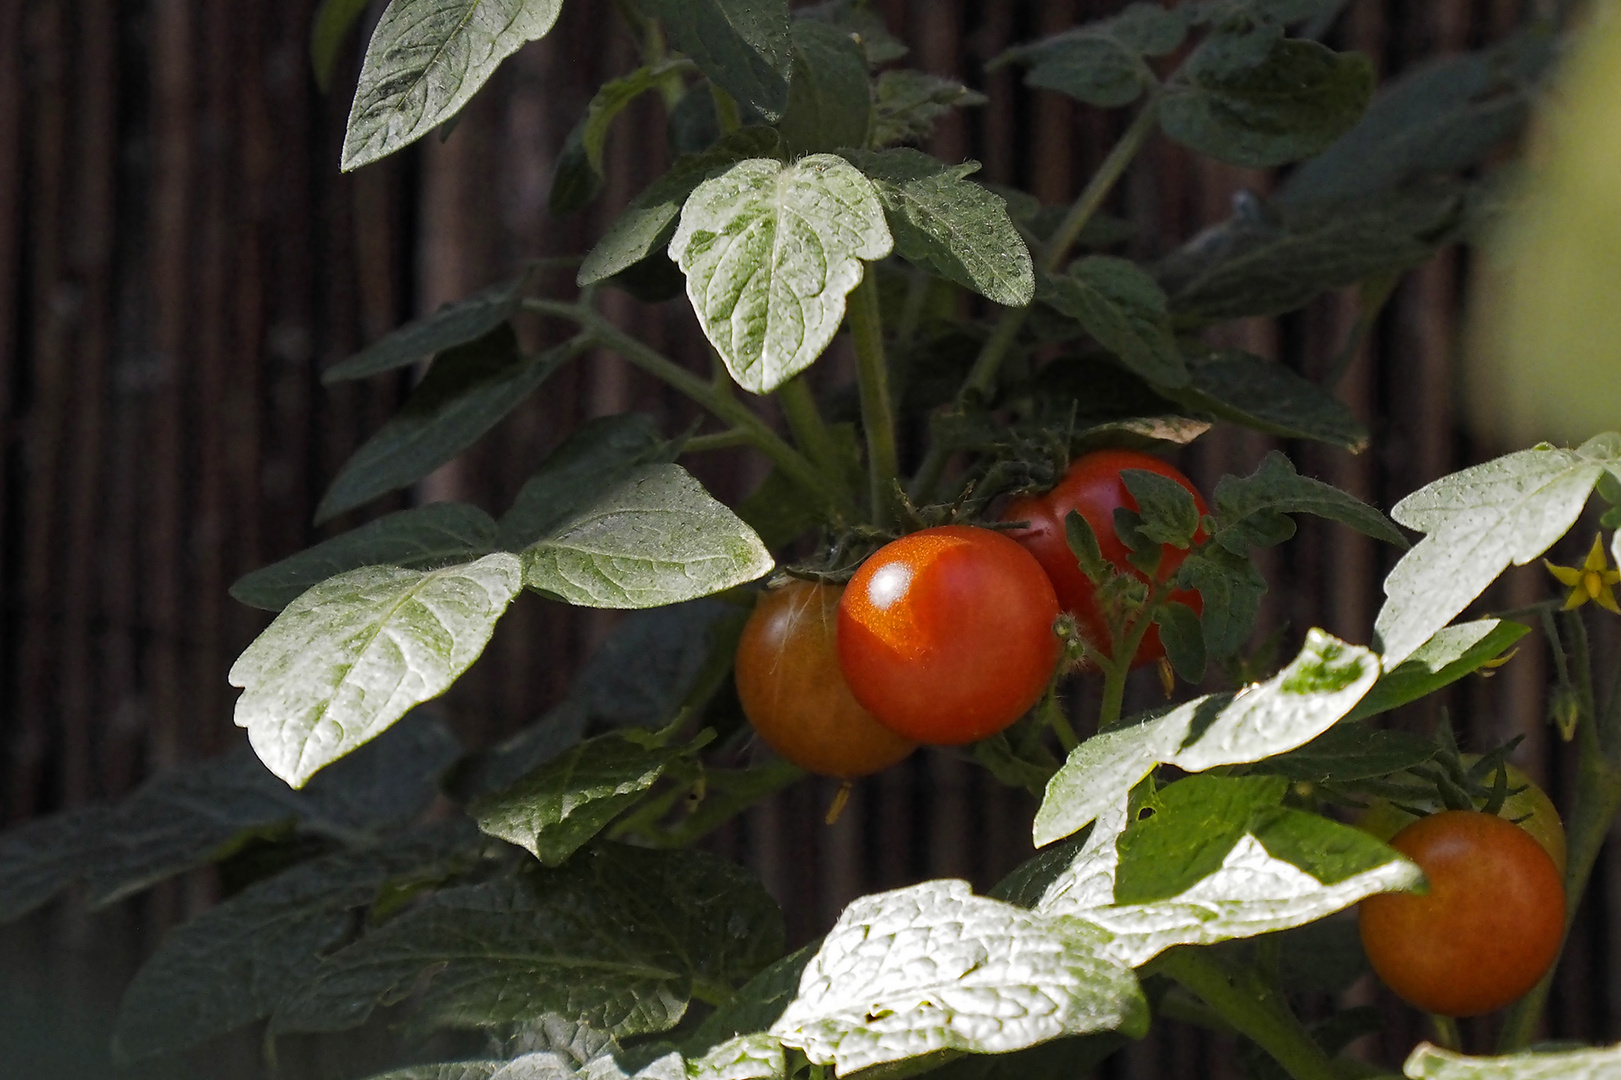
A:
x,y
1249,509
352,655
1428,1062
1451,653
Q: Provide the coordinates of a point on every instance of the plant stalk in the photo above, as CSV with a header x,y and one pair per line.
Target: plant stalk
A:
x,y
877,412
798,406
1255,1009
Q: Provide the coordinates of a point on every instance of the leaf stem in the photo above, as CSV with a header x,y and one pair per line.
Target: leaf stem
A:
x,y
1254,1009
877,413
719,440
798,406
1117,669
729,116
1447,1035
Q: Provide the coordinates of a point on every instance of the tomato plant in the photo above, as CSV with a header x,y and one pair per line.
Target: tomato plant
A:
x,y
1487,930
946,635
1093,487
794,693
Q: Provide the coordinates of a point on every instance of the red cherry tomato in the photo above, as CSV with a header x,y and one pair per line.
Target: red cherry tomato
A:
x,y
1488,929
1093,487
794,693
946,635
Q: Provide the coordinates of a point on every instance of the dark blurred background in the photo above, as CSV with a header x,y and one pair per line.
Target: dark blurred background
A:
x,y
179,258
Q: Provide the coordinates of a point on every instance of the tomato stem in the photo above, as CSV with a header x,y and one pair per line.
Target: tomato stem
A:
x,y
810,431
872,377
1447,1035
1125,647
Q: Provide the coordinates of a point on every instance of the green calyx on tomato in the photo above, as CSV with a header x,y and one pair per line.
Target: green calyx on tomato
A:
x,y
1094,488
946,635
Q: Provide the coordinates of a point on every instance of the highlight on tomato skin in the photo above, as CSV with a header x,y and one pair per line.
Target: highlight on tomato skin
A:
x,y
1488,929
794,693
1092,486
946,635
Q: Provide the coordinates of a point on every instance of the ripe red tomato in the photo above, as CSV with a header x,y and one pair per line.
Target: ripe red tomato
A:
x,y
794,694
946,635
1488,929
1093,487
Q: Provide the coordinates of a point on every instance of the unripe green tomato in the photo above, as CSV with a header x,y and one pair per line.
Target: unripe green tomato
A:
x,y
1541,819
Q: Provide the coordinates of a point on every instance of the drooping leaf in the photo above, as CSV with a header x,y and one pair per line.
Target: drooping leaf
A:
x,y
1293,707
645,227
742,45
655,538
1249,510
949,225
829,97
1289,103
596,456
769,251
1428,1062
1101,63
424,536
907,104
1264,395
1450,654
1351,750
615,939
356,652
1479,521
1124,310
453,324
467,391
333,21
425,61
235,963
933,967
558,807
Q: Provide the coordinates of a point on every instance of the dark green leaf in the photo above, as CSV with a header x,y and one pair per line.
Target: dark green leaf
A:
x,y
615,939
333,21
907,104
1266,261
1195,823
426,59
1124,310
579,174
1351,750
576,182
692,125
1165,508
756,1005
1289,105
1452,653
829,97
1083,544
452,325
1231,590
742,45
555,809
1324,957
640,675
655,538
1102,63
948,225
1030,771
43,857
596,456
1059,1059
1029,881
1327,850
467,391
1246,509
422,537
648,223
860,20
233,964
1183,638
1263,395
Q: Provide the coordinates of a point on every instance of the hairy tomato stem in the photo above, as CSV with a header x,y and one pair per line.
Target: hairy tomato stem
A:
x,y
877,413
810,431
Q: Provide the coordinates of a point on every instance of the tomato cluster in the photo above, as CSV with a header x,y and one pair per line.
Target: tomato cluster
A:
x,y
944,636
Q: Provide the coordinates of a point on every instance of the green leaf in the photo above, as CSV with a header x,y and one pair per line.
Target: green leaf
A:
x,y
1166,510
467,391
770,250
1195,823
1183,638
656,538
233,964
44,857
1351,750
1247,509
454,1070
356,652
756,1005
907,104
579,173
333,21
829,97
742,45
1271,259
597,456
860,21
1450,654
1479,521
1264,395
422,537
1102,63
453,324
1122,307
555,809
1056,1059
933,967
1327,850
425,61
1291,105
1031,879
781,510
1083,544
949,225
1443,117
1428,1062
1231,590
648,223
615,939
1293,707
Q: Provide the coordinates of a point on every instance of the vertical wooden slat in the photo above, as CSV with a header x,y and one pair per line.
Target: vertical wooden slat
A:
x,y
12,230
